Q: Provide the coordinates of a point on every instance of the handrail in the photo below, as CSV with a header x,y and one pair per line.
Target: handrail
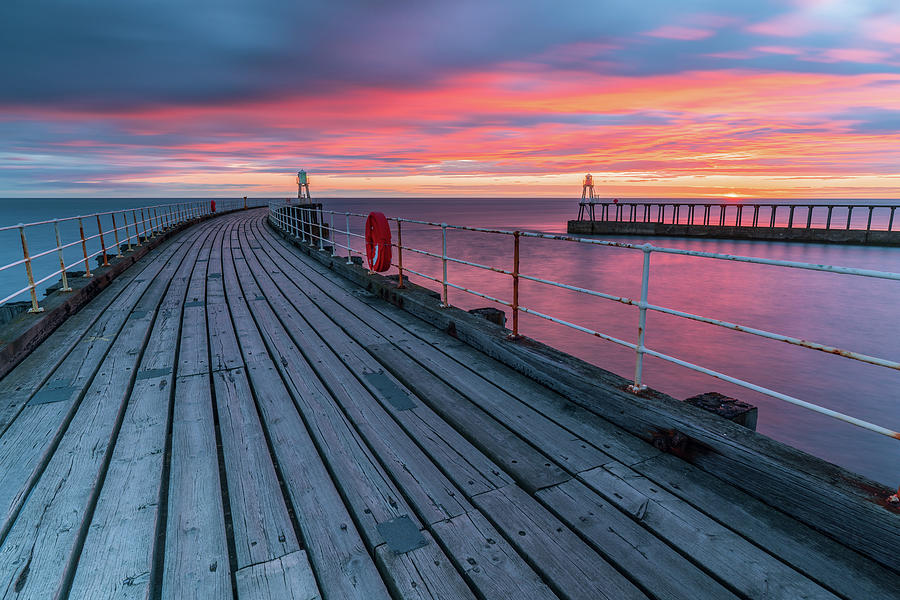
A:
x,y
642,212
303,223
137,225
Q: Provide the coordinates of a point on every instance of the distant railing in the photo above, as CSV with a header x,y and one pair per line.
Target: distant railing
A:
x,y
739,214
127,227
301,223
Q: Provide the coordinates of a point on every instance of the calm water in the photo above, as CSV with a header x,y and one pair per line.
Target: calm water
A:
x,y
853,313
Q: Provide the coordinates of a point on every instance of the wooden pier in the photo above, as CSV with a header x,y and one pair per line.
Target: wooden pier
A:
x,y
232,417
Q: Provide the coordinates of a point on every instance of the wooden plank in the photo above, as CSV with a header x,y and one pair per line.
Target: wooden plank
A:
x,y
288,577
651,563
527,465
361,479
488,562
423,574
196,553
336,550
820,558
193,353
565,562
262,527
117,555
733,560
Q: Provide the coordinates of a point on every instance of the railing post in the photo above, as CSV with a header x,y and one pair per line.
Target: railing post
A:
x,y
137,235
869,222
774,210
116,235
156,229
740,215
891,220
637,386
320,217
144,224
87,264
828,221
349,258
400,254
34,302
444,299
809,217
334,240
127,235
791,217
62,261
102,242
515,290
849,215
756,215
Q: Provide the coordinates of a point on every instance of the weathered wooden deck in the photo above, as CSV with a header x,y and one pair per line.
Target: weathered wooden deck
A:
x,y
230,419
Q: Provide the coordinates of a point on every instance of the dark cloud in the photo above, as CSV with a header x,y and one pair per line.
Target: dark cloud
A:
x,y
109,53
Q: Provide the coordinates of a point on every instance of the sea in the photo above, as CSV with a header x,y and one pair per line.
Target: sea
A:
x,y
854,313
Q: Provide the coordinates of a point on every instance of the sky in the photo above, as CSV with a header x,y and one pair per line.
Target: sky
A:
x,y
695,98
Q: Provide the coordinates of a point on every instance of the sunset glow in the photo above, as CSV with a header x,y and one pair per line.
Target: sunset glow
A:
x,y
455,99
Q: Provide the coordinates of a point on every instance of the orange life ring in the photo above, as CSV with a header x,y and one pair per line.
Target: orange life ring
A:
x,y
378,242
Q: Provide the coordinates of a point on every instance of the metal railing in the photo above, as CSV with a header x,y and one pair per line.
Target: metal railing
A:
x,y
126,228
298,221
717,214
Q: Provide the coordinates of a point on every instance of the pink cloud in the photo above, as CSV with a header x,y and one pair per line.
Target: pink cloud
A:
x,y
677,32
786,50
792,25
859,55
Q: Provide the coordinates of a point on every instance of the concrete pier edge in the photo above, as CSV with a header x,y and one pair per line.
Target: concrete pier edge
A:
x,y
859,237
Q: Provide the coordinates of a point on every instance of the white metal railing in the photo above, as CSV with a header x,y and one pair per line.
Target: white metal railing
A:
x,y
309,225
127,227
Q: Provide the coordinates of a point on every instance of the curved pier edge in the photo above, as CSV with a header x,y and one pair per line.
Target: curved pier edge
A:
x,y
848,507
25,332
